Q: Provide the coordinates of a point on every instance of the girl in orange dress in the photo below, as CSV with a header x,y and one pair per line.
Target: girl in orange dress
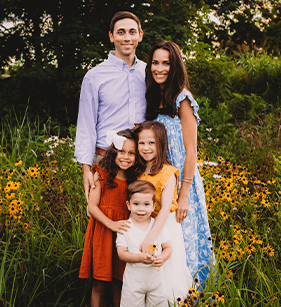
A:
x,y
109,214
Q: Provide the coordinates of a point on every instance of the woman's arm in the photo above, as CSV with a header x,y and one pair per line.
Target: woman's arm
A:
x,y
160,220
189,132
97,214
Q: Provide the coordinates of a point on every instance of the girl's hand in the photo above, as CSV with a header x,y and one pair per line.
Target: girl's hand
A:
x,y
158,262
183,208
144,247
146,258
120,226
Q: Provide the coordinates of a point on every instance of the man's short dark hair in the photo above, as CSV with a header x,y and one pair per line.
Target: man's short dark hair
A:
x,y
122,15
141,186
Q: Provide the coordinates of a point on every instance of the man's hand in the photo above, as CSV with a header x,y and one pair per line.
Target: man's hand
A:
x,y
88,179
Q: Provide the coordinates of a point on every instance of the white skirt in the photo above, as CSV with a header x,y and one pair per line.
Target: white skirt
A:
x,y
177,274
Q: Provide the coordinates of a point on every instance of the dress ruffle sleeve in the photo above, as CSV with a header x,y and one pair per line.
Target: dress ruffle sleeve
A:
x,y
186,94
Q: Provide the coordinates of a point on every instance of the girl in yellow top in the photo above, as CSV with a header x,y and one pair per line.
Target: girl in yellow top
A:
x,y
152,148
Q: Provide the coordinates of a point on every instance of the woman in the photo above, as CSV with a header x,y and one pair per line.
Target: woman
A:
x,y
170,102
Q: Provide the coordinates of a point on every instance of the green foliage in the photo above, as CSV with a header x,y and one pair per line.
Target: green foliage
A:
x,y
244,107
277,166
209,76
43,221
43,217
246,24
259,74
248,85
59,41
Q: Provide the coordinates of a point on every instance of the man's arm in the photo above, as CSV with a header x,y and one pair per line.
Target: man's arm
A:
x,y
88,179
85,141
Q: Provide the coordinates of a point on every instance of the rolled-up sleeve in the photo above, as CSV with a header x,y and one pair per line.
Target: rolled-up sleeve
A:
x,y
86,134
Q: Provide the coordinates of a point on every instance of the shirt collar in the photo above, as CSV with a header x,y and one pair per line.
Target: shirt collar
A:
x,y
119,62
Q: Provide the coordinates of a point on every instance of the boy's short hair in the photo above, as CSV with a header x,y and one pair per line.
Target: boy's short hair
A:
x,y
141,186
122,15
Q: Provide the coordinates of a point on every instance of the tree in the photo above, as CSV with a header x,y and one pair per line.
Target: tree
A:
x,y
57,41
243,23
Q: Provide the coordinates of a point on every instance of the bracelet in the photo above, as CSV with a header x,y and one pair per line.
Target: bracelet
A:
x,y
188,178
188,181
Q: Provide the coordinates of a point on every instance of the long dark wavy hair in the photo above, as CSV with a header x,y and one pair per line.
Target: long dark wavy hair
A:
x,y
177,80
161,139
108,161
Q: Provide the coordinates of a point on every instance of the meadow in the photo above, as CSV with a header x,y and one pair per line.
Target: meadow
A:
x,y
43,216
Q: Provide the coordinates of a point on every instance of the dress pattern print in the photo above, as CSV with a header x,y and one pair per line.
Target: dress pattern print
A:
x,y
196,229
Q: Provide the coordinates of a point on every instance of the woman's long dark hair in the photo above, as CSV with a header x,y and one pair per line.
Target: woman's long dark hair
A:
x,y
177,80
108,161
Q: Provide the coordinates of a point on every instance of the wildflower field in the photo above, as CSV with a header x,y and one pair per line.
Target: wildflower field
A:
x,y
43,223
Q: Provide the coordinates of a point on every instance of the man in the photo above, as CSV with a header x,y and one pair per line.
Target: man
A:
x,y
112,94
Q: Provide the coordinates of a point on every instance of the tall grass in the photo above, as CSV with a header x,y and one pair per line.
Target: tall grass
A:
x,y
43,223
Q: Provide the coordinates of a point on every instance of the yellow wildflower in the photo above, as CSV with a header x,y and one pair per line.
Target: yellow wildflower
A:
x,y
268,250
153,248
219,296
19,163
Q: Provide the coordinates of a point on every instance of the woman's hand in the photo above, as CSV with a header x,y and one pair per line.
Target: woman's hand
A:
x,y
182,207
120,226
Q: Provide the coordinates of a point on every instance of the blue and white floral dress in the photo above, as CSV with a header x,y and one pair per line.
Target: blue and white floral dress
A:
x,y
196,230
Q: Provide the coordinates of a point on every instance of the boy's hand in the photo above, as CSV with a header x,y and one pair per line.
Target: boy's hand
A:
x,y
146,258
158,262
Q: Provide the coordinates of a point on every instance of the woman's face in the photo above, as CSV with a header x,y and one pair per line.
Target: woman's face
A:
x,y
160,66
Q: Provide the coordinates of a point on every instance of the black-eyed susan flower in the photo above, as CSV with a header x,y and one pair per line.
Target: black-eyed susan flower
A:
x,y
153,248
13,210
250,248
268,250
224,215
229,274
19,163
220,297
224,244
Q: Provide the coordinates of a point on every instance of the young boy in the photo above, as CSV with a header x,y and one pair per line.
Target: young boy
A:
x,y
143,281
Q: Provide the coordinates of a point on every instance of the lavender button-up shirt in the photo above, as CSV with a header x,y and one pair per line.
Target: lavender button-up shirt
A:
x,y
112,98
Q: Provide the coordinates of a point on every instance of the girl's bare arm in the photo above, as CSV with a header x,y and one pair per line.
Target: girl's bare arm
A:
x,y
97,214
160,220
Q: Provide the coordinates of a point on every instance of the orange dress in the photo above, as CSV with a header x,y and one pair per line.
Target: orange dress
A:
x,y
100,252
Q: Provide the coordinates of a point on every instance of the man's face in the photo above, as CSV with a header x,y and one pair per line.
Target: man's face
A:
x,y
125,37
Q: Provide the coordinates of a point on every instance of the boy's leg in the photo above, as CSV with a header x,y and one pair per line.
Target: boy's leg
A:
x,y
156,292
134,288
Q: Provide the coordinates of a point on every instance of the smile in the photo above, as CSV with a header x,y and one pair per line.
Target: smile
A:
x,y
125,162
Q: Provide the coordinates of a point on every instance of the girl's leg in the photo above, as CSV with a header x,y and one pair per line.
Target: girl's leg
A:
x,y
98,291
116,289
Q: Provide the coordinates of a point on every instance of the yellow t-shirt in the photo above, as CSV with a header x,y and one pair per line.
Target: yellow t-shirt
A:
x,y
159,181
